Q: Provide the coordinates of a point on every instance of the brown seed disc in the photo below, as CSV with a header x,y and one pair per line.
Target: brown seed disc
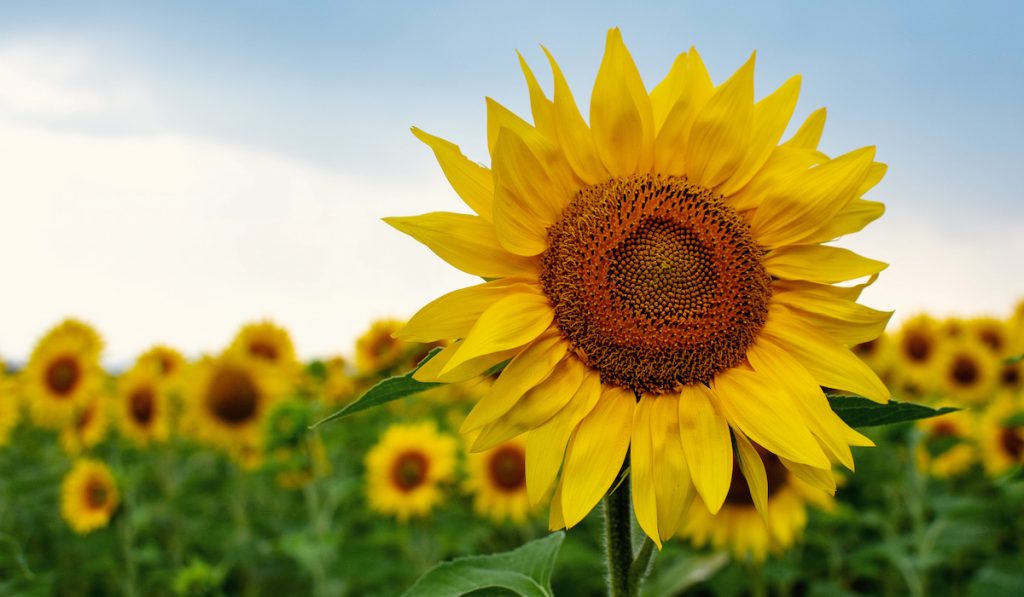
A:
x,y
656,283
141,402
233,396
62,375
409,470
964,370
507,468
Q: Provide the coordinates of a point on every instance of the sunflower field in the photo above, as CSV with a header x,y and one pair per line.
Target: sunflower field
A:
x,y
661,381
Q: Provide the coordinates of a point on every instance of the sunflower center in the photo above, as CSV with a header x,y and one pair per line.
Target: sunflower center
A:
x,y
508,468
655,282
409,470
1011,441
944,429
141,404
1009,377
866,349
62,375
263,350
964,371
739,491
233,396
96,493
992,338
917,347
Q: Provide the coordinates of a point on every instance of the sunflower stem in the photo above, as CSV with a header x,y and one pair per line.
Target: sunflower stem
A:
x,y
641,564
619,540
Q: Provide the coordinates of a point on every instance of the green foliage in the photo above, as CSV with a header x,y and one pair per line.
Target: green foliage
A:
x,y
856,411
525,571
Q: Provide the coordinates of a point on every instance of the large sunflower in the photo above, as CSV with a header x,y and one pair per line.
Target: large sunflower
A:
x,y
62,373
658,280
407,468
88,496
497,480
143,404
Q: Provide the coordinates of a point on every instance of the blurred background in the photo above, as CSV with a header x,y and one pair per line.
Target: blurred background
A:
x,y
199,187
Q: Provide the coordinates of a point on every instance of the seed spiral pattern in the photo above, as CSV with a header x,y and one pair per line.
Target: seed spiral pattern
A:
x,y
655,282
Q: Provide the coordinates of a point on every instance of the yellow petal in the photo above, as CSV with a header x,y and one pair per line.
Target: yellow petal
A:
x,y
535,407
809,134
620,112
431,370
853,218
784,165
688,92
526,370
797,210
848,293
760,408
672,484
555,519
542,108
753,471
769,359
509,323
875,175
468,243
846,321
665,93
471,181
545,445
595,453
452,315
819,263
573,133
641,470
526,200
822,479
771,116
721,130
705,438
830,363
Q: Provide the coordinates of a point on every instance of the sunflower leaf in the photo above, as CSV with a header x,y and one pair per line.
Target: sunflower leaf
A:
x,y
856,411
387,390
523,571
1014,359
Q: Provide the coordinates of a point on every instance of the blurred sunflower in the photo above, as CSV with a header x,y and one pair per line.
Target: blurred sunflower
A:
x,y
62,373
377,349
966,370
10,411
1011,377
878,354
168,362
497,480
267,342
752,527
88,496
917,346
1001,435
657,278
991,332
227,399
88,425
407,468
947,448
143,404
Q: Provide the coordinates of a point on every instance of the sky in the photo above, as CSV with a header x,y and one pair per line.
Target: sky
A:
x,y
169,171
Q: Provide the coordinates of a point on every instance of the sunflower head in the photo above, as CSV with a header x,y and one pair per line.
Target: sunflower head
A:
x,y
144,403
1000,434
918,346
966,370
339,384
407,469
947,445
89,496
497,480
88,425
659,283
992,333
63,373
267,342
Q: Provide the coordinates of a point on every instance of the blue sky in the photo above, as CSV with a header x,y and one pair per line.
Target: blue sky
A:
x,y
214,162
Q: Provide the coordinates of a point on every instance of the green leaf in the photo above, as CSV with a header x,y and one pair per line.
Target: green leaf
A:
x,y
392,388
1014,420
524,571
1014,359
856,411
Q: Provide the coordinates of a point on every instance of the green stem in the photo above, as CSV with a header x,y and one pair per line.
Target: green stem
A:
x,y
619,540
638,570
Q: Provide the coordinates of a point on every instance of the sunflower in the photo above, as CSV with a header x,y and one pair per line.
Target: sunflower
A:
x,y
1001,435
406,469
62,373
1011,377
879,355
377,349
918,344
226,401
967,371
755,528
168,362
658,280
88,496
88,425
947,448
267,342
10,411
992,333
143,404
497,480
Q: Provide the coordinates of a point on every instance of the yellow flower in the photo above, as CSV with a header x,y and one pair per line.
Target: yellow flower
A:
x,y
879,354
407,468
991,332
918,345
168,362
88,496
10,411
380,352
966,370
751,531
267,342
497,480
1001,435
226,401
658,280
88,425
947,448
62,373
143,404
